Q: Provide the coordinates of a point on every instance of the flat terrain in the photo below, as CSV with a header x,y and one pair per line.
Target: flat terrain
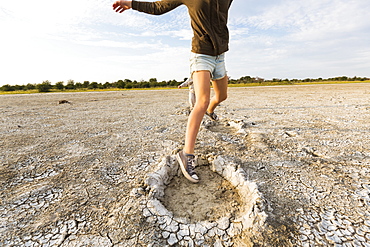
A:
x,y
68,171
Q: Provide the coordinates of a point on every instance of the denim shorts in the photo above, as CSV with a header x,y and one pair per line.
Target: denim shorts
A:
x,y
214,64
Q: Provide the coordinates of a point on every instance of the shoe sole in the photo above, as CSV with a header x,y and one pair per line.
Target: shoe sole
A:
x,y
183,170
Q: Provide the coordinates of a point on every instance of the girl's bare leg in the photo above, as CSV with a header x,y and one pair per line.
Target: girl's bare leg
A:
x,y
220,89
202,93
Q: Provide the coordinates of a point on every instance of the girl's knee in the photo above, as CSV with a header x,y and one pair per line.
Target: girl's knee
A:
x,y
202,104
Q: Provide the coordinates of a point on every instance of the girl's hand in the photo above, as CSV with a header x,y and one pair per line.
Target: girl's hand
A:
x,y
120,6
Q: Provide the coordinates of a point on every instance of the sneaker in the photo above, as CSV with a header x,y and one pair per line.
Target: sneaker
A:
x,y
187,162
212,115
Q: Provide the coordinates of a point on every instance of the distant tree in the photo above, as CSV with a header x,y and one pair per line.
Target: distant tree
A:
x,y
153,84
233,81
173,83
246,79
107,85
136,84
59,85
7,88
129,85
79,85
259,79
45,86
19,87
162,84
93,85
120,84
145,84
30,86
86,84
70,84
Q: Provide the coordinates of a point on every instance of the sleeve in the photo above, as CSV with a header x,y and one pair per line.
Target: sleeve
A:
x,y
156,8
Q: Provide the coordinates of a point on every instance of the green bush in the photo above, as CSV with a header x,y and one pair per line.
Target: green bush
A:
x,y
45,86
7,88
59,85
30,86
70,84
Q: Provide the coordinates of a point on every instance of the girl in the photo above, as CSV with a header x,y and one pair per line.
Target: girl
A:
x,y
209,44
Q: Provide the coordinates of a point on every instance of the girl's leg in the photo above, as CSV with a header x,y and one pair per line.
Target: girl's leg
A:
x,y
220,89
202,93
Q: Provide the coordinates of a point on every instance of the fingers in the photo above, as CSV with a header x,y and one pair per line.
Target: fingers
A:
x,y
119,6
116,4
119,10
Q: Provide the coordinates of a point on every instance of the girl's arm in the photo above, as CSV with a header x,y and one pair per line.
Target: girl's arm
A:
x,y
154,8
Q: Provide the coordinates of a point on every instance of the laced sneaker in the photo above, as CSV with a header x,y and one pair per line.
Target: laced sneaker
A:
x,y
187,162
212,115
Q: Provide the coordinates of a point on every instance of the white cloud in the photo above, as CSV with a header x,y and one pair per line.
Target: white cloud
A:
x,y
119,44
313,19
303,39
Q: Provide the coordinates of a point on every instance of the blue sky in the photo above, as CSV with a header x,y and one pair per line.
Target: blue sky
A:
x,y
86,40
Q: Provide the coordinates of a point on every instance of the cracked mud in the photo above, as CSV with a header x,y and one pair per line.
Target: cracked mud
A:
x,y
79,174
218,199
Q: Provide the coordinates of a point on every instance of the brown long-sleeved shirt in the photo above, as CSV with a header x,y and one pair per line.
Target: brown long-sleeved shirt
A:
x,y
208,21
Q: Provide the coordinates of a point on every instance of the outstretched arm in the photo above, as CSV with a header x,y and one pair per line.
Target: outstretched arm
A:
x,y
122,5
154,8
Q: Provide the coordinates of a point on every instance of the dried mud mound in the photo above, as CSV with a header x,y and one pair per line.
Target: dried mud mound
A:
x,y
212,198
79,174
194,214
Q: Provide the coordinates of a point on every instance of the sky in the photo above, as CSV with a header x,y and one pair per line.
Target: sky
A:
x,y
85,40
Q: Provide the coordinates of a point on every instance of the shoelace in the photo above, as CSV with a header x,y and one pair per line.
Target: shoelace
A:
x,y
190,165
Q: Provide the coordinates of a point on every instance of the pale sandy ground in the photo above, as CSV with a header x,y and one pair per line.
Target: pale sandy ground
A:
x,y
67,170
